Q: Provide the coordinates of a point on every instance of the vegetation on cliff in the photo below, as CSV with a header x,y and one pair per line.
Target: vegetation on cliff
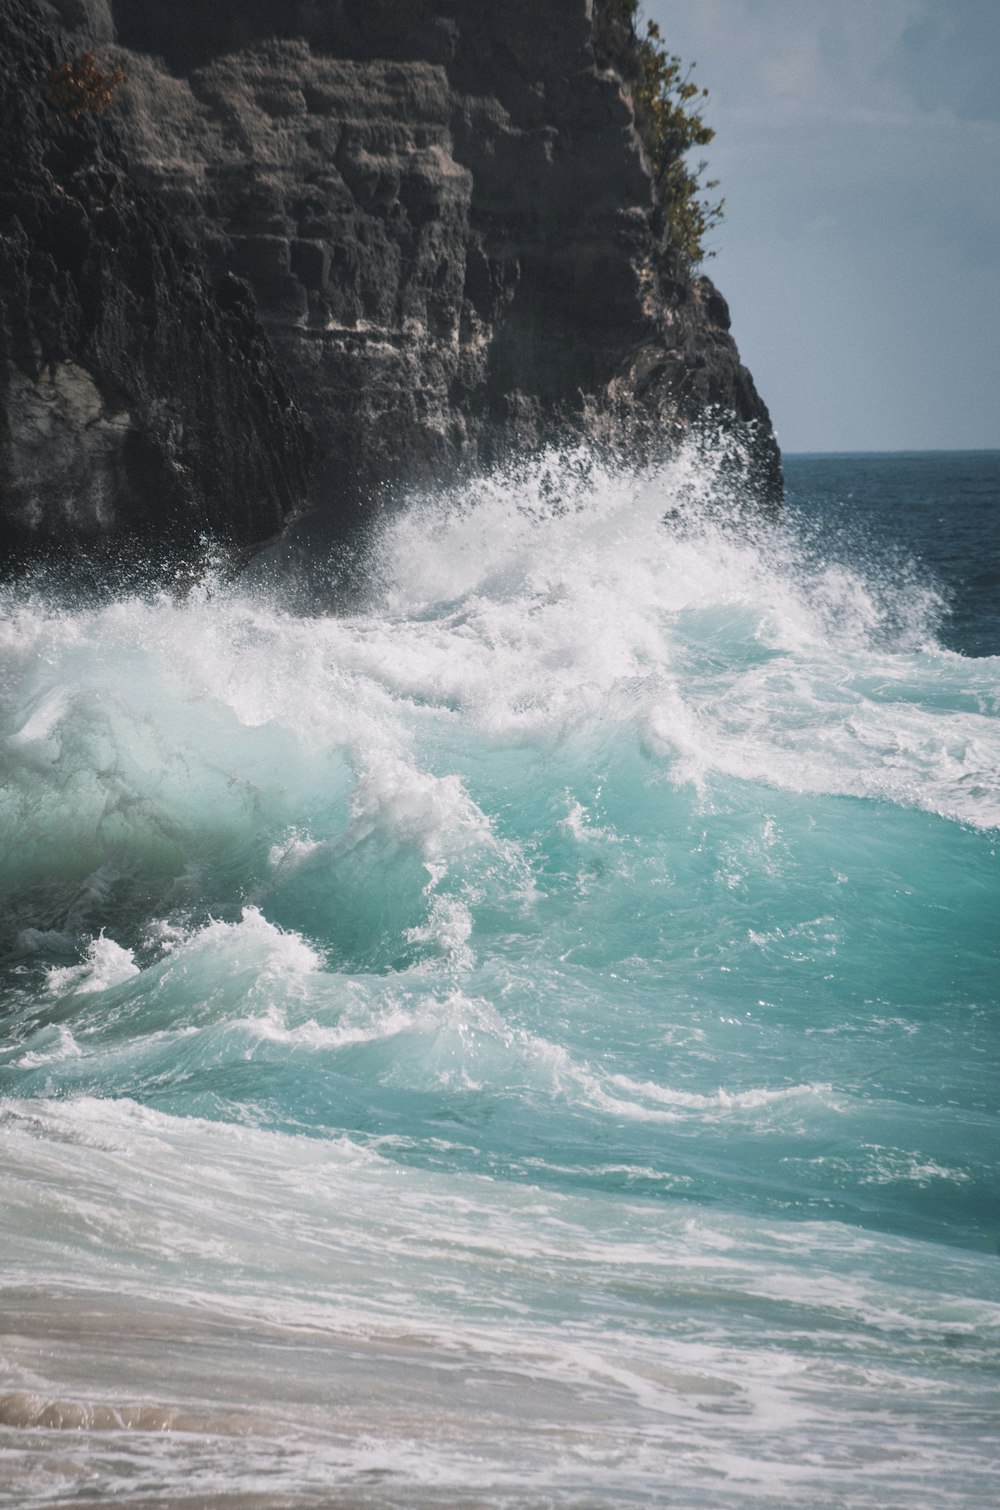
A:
x,y
668,118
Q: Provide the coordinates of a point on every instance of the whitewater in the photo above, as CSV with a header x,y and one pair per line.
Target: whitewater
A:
x,y
527,1038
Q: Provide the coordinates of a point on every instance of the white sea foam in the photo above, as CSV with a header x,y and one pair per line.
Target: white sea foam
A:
x,y
532,616
433,1320
449,928
431,813
107,964
51,1045
528,613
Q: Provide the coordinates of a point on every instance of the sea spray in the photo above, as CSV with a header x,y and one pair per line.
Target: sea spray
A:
x,y
530,1038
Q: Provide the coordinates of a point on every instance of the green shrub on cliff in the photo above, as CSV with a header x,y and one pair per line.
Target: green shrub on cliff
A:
x,y
668,118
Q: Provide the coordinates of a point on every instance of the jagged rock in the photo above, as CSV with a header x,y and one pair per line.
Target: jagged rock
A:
x,y
139,406
428,224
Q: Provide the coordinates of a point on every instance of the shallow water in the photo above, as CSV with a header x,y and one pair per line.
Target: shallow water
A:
x,y
531,1040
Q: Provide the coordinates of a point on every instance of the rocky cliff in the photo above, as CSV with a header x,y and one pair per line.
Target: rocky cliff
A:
x,y
315,249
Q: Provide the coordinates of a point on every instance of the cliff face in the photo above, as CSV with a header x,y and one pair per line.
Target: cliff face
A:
x,y
129,381
427,225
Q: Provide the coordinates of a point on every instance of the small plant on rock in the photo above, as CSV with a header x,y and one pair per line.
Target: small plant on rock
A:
x,y
80,87
668,118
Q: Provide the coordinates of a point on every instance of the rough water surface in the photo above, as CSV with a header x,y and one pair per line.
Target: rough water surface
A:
x,y
531,1040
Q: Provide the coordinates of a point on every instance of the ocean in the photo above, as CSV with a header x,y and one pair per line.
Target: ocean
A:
x,y
529,1039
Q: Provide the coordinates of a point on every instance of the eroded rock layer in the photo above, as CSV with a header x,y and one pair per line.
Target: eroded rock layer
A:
x,y
141,403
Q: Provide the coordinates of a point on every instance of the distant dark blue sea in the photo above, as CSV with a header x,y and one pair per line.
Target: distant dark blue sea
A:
x,y
935,511
531,1039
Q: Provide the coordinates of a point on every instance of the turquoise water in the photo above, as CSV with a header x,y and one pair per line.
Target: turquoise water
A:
x,y
528,1040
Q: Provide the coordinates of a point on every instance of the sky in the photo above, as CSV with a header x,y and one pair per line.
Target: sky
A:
x,y
858,148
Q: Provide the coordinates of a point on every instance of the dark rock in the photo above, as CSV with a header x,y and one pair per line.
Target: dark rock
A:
x,y
138,406
428,224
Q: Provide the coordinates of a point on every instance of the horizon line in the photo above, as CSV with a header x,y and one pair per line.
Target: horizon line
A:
x,y
905,451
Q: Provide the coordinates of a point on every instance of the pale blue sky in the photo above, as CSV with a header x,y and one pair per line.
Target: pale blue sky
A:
x,y
858,144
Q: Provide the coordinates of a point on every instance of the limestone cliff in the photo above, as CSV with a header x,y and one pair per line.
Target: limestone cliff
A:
x,y
422,231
